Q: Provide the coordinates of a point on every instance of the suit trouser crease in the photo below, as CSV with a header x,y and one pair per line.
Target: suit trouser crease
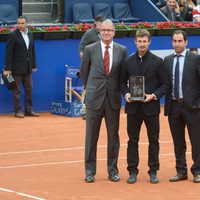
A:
x,y
26,81
93,123
134,123
180,117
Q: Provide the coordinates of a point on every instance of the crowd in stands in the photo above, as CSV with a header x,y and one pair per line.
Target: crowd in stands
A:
x,y
179,10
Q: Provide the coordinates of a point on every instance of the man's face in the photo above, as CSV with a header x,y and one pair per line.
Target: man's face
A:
x,y
22,24
142,44
171,4
178,43
107,32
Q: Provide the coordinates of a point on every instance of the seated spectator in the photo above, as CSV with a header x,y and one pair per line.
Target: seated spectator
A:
x,y
60,11
196,14
172,10
192,3
186,9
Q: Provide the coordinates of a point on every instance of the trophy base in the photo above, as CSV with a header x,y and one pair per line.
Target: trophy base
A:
x,y
136,98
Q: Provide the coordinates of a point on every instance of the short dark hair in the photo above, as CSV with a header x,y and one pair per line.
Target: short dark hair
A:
x,y
180,32
99,18
22,17
142,33
193,49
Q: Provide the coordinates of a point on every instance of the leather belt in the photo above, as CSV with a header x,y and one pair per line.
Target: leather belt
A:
x,y
178,100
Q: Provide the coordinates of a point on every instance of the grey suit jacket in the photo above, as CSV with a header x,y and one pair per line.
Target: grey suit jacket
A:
x,y
190,82
166,11
97,85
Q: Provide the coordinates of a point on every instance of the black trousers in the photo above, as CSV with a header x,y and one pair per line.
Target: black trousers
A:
x,y
26,81
179,118
134,123
93,123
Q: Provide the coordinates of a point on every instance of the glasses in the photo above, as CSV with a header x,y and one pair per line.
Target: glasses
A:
x,y
106,30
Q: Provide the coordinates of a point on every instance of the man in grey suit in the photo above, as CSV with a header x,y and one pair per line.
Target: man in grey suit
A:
x,y
172,11
182,104
100,72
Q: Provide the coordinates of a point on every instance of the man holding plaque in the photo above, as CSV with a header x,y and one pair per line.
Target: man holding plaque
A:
x,y
146,79
100,72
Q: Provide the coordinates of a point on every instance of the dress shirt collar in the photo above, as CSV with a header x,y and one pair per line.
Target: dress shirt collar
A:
x,y
103,45
182,54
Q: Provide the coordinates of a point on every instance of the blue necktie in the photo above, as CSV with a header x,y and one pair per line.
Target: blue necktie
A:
x,y
176,79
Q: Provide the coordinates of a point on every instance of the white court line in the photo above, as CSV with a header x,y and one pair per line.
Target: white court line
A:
x,y
21,194
72,148
71,162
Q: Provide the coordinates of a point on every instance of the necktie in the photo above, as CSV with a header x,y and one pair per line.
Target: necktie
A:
x,y
106,61
176,79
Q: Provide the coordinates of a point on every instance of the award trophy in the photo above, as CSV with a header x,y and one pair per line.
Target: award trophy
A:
x,y
136,85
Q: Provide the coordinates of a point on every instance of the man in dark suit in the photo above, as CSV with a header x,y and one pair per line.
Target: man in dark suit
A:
x,y
20,61
100,72
182,104
143,63
172,11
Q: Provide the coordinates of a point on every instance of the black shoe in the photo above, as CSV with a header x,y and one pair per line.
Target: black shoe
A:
x,y
89,178
196,178
32,114
153,178
132,178
114,177
178,177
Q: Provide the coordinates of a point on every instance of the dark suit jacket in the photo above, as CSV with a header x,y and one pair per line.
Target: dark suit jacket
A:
x,y
166,11
190,82
155,82
19,59
98,86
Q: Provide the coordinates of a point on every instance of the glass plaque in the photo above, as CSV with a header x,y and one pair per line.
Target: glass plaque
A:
x,y
136,85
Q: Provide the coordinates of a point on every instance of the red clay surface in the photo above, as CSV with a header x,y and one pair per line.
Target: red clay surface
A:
x,y
43,158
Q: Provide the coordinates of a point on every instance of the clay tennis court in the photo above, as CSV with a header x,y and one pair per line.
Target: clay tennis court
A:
x,y
43,158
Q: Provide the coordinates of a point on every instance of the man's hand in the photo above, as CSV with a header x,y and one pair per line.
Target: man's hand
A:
x,y
149,97
7,73
177,8
127,97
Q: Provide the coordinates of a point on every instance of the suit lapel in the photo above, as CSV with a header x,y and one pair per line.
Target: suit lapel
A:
x,y
147,64
115,57
186,64
21,38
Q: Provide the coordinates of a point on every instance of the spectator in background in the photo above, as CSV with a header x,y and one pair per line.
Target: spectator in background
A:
x,y
20,61
196,14
172,11
60,11
193,50
89,37
186,7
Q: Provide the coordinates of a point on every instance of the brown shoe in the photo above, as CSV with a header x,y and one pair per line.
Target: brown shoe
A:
x,y
32,114
19,115
178,177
